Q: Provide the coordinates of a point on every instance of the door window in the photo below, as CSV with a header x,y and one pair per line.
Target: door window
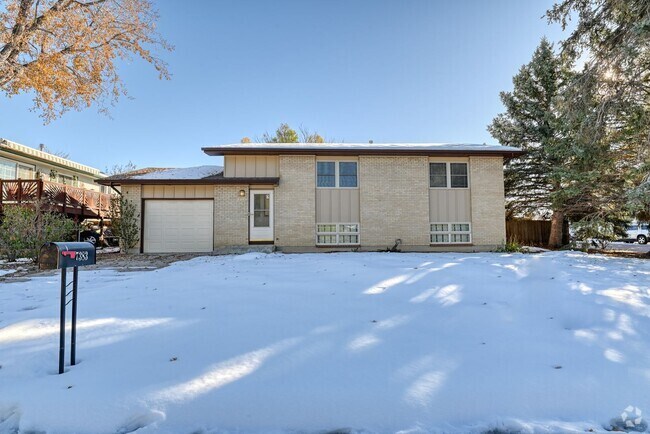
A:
x,y
261,210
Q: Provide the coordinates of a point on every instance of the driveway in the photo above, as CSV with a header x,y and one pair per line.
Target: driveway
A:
x,y
629,247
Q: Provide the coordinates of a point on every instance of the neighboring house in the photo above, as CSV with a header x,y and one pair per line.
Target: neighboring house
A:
x,y
22,162
323,197
28,174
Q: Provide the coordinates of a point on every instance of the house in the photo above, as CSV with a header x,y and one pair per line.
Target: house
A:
x,y
23,162
325,197
28,175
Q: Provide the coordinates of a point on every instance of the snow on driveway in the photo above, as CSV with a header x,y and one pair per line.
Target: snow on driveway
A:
x,y
379,342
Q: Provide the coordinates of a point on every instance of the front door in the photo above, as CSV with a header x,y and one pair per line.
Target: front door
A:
x,y
261,215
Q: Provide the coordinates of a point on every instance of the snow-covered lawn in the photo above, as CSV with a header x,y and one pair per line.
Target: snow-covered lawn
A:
x,y
379,342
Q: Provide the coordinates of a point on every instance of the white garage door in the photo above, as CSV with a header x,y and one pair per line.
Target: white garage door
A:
x,y
178,226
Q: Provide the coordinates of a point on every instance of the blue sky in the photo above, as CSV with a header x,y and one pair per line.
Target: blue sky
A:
x,y
353,70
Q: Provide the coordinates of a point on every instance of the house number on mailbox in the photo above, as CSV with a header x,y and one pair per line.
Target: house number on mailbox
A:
x,y
77,256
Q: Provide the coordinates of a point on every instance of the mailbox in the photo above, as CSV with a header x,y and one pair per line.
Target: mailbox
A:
x,y
62,256
66,255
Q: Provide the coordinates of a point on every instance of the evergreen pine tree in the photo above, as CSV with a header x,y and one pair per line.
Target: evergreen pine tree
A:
x,y
601,159
582,146
613,37
532,123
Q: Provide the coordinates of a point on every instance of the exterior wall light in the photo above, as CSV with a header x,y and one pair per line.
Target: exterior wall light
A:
x,y
242,193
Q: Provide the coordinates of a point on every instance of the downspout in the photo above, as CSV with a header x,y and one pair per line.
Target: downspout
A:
x,y
115,189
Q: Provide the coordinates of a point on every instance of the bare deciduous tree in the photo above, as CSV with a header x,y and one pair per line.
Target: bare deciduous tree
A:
x,y
307,136
118,169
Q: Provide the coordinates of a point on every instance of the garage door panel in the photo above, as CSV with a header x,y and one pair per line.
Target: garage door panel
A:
x,y
178,226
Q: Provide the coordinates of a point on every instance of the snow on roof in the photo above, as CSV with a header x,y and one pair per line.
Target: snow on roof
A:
x,y
198,172
386,147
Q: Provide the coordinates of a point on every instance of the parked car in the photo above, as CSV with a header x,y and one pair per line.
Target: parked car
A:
x,y
98,233
90,236
637,231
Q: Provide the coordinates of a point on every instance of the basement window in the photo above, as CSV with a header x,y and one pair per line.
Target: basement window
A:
x,y
337,234
450,233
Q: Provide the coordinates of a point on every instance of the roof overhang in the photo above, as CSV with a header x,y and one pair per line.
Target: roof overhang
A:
x,y
280,150
36,155
204,181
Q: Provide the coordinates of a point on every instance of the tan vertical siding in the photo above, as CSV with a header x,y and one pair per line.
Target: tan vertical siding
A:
x,y
229,166
177,191
337,205
450,205
295,202
251,166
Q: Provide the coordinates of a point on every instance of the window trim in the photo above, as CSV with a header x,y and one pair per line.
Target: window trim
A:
x,y
10,163
336,175
447,164
25,166
338,233
450,233
336,170
62,179
17,165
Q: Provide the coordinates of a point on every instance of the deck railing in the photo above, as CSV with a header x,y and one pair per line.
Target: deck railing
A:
x,y
57,197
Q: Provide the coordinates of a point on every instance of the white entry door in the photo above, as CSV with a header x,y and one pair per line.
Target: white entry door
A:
x,y
261,215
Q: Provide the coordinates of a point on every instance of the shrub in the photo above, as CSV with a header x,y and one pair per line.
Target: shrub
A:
x,y
54,227
25,228
124,222
510,246
598,232
17,223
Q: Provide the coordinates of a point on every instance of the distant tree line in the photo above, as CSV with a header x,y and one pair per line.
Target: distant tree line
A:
x,y
585,130
285,134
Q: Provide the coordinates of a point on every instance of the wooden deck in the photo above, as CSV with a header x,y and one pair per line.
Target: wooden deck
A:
x,y
66,199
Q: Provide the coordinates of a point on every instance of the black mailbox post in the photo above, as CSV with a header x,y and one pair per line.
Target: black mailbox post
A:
x,y
54,256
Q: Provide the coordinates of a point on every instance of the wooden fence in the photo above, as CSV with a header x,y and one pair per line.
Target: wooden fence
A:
x,y
528,232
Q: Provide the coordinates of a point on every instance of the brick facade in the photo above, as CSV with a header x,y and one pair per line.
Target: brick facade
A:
x,y
488,201
295,202
394,200
230,216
